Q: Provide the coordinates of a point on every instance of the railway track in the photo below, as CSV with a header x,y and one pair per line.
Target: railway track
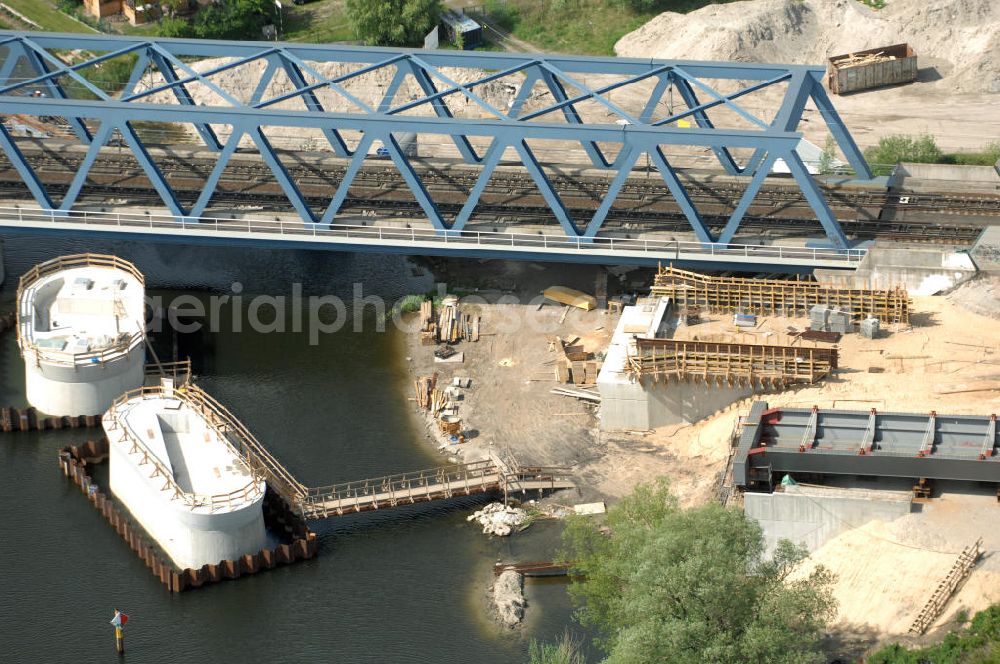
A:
x,y
510,198
515,215
458,177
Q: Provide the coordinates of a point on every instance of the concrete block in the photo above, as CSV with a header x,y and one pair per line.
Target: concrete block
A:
x,y
811,515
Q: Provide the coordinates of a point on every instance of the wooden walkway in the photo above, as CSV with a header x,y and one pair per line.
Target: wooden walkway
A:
x,y
488,476
691,290
729,364
496,474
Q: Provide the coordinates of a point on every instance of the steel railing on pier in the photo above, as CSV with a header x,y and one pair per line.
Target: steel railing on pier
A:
x,y
123,345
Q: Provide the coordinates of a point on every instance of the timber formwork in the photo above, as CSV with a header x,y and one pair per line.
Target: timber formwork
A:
x,y
729,364
691,290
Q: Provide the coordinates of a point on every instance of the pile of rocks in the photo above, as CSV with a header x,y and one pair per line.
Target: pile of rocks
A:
x,y
498,519
508,599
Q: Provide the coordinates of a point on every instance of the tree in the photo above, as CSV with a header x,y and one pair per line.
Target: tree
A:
x,y
229,19
828,155
689,586
393,22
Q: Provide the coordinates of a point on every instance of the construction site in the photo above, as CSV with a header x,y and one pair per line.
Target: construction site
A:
x,y
848,420
542,279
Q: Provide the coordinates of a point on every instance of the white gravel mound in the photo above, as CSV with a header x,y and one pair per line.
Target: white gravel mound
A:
x,y
959,38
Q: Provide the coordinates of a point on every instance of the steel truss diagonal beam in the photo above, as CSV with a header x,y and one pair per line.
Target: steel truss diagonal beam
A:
x,y
482,137
183,97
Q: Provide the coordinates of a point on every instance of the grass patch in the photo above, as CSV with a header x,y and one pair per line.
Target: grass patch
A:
x,y
320,22
579,26
47,15
988,156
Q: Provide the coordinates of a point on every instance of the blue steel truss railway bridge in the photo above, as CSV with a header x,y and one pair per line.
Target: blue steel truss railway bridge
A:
x,y
552,157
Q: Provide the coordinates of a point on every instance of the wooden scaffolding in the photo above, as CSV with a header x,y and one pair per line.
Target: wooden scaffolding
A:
x,y
691,290
729,364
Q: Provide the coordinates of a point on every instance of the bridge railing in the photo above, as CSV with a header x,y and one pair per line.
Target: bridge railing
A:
x,y
296,229
401,486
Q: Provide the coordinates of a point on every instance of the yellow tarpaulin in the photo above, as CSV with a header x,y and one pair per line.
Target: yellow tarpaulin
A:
x,y
570,297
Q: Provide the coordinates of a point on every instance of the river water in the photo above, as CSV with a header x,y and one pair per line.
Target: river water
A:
x,y
400,586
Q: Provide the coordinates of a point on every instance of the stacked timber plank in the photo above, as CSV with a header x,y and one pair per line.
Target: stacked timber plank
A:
x,y
428,326
429,397
574,365
454,325
438,403
793,297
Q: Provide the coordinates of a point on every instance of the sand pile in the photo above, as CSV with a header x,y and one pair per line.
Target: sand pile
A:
x,y
960,38
886,572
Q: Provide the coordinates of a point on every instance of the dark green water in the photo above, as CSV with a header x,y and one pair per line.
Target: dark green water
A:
x,y
401,586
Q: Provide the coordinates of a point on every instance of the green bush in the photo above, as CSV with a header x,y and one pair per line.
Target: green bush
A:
x,y
979,643
893,149
566,651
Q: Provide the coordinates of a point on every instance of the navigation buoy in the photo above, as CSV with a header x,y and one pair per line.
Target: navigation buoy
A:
x,y
119,622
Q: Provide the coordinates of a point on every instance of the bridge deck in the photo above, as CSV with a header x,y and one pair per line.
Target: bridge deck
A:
x,y
348,237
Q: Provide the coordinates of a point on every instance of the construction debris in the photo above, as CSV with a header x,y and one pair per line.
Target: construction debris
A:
x,y
810,334
499,519
585,395
574,364
508,599
590,508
